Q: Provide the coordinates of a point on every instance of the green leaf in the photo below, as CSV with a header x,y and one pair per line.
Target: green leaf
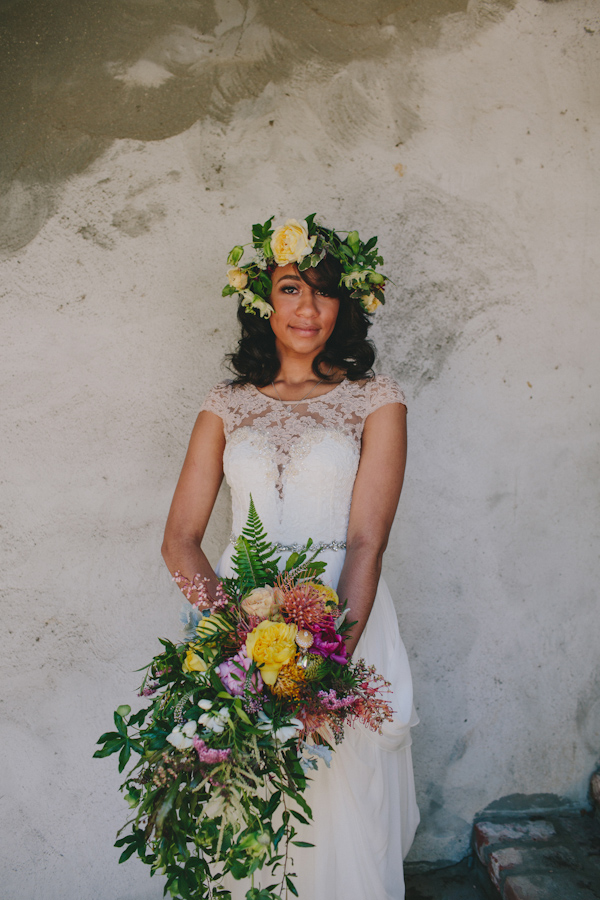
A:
x,y
124,755
299,816
252,559
124,709
109,748
121,726
291,885
109,736
243,715
302,844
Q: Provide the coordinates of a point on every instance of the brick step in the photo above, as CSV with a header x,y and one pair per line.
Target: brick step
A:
x,y
553,857
553,854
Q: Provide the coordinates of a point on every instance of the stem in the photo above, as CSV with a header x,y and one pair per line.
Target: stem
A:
x,y
287,846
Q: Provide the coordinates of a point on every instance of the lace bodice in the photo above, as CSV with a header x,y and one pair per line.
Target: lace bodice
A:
x,y
300,464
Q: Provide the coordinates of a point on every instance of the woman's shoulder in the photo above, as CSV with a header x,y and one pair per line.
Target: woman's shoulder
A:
x,y
224,397
381,390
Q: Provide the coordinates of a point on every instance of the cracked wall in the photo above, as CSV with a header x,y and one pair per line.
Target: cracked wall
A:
x,y
139,142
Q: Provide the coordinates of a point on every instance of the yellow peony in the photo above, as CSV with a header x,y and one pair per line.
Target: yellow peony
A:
x,y
238,279
290,242
193,662
272,645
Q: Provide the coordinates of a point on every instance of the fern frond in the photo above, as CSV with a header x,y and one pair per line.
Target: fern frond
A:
x,y
253,560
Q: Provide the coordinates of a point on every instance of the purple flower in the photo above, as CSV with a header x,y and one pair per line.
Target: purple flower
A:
x,y
232,673
329,643
207,754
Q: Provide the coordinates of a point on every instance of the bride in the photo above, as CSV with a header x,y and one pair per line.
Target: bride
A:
x,y
320,443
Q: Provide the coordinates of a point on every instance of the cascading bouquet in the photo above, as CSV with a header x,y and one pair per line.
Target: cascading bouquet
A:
x,y
239,715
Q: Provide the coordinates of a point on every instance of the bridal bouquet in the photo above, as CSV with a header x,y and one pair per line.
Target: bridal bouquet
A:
x,y
240,713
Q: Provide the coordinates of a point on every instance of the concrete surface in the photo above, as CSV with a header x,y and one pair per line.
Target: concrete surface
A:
x,y
139,142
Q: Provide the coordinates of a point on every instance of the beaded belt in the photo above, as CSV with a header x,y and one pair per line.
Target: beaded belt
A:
x,y
295,548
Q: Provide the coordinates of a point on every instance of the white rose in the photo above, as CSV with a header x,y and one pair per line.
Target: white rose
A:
x,y
290,242
238,279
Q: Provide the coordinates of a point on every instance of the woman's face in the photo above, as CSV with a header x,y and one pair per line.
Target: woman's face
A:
x,y
304,316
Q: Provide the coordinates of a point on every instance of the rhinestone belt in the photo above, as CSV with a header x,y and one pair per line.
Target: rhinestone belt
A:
x,y
295,548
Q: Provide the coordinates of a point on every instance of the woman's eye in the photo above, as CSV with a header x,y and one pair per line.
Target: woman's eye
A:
x,y
289,288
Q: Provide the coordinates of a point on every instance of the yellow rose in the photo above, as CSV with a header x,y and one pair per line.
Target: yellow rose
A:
x,y
193,662
272,645
370,302
290,242
238,279
259,602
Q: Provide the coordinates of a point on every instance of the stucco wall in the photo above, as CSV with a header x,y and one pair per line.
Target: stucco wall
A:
x,y
140,142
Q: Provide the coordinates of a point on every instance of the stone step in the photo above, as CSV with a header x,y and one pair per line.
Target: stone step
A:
x,y
541,858
553,854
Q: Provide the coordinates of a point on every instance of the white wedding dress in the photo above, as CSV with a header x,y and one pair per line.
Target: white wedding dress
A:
x,y
300,467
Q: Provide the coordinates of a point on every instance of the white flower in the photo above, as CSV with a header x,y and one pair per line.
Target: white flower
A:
x,y
205,704
179,740
286,732
250,300
282,734
189,729
216,722
353,277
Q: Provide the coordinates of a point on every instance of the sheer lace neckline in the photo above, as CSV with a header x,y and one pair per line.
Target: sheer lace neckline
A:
x,y
306,400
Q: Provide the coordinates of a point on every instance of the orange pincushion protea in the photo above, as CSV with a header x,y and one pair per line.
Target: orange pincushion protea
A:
x,y
289,681
301,604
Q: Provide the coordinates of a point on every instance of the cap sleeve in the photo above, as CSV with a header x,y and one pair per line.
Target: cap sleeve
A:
x,y
218,400
384,390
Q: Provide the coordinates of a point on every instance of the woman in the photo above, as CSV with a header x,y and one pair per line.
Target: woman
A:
x,y
321,446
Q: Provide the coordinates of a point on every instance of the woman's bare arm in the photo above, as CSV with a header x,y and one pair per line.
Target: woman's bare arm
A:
x,y
374,502
193,502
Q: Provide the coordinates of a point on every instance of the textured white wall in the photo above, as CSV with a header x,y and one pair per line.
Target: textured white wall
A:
x,y
468,139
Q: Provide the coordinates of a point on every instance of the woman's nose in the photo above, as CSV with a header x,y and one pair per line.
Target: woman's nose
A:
x,y
307,302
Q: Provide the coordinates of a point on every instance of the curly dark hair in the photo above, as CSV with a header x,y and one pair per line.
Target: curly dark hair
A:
x,y
255,361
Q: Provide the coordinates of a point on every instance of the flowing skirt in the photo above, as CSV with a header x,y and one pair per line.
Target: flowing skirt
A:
x,y
364,808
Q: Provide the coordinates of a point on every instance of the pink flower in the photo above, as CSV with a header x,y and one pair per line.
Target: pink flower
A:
x,y
330,644
207,754
233,672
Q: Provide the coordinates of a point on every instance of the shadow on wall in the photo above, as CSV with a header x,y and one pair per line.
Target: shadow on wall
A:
x,y
78,76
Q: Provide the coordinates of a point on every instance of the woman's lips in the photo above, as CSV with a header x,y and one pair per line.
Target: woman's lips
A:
x,y
304,329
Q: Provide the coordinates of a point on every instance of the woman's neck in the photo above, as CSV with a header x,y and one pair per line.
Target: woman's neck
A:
x,y
293,372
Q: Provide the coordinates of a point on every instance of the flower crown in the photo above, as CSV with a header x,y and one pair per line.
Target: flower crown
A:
x,y
306,244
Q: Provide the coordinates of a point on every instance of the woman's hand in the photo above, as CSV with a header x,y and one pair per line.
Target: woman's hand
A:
x,y
193,502
374,503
